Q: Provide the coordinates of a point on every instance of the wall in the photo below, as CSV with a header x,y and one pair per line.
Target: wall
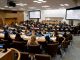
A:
x,y
25,16
75,22
54,13
49,13
7,17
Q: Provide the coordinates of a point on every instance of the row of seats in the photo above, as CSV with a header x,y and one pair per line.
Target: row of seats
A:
x,y
43,48
52,50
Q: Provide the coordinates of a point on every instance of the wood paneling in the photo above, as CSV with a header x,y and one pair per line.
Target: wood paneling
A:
x,y
8,56
7,17
52,20
9,21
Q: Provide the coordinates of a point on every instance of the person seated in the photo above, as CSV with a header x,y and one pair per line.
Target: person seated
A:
x,y
32,41
43,32
18,37
69,36
14,31
28,33
59,39
38,33
48,40
7,36
65,35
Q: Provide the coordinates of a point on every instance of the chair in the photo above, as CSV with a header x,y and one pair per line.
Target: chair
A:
x,y
43,45
24,56
70,37
42,57
34,49
64,45
19,45
52,49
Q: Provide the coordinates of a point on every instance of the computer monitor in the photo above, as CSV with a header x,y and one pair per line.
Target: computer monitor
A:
x,y
1,46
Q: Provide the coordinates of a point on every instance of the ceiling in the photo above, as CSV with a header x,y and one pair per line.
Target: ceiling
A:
x,y
54,4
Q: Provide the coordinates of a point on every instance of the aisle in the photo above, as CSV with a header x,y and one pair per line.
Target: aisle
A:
x,y
73,52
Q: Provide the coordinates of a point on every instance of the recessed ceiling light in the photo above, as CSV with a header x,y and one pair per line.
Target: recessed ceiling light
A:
x,y
61,4
35,1
21,4
17,4
10,7
2,8
46,6
6,6
24,4
39,2
66,4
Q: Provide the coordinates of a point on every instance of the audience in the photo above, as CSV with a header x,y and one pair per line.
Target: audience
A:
x,y
7,36
48,40
18,37
32,41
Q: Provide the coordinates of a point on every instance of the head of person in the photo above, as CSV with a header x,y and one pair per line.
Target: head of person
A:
x,y
33,38
18,37
47,38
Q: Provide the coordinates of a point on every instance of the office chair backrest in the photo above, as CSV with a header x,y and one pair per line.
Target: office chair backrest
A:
x,y
42,57
24,56
34,49
52,49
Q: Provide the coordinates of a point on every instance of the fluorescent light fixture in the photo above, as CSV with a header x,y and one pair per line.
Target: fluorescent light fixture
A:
x,y
66,4
61,4
35,1
6,6
24,4
10,7
2,8
39,2
45,6
21,4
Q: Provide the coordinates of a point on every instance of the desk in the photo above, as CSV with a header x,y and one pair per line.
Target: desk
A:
x,y
7,55
39,39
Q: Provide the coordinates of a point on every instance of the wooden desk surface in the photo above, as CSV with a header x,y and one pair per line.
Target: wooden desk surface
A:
x,y
39,39
3,54
7,55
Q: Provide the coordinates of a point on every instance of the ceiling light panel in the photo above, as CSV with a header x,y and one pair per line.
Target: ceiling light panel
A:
x,y
39,1
21,4
45,6
2,8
